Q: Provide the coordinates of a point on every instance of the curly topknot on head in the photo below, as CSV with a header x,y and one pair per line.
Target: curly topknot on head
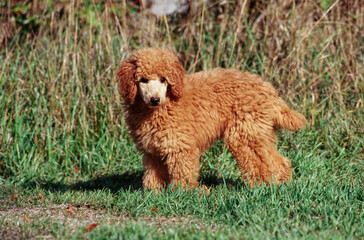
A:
x,y
150,62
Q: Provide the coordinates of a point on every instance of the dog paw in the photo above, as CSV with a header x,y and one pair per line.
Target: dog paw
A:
x,y
204,190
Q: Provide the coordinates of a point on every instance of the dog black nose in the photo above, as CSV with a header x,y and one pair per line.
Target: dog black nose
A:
x,y
155,100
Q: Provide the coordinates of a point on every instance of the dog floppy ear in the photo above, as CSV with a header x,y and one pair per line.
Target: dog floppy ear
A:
x,y
176,79
126,77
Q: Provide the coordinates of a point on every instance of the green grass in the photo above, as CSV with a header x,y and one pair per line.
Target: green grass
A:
x,y
63,140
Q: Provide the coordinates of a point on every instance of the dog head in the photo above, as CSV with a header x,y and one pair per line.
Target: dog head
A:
x,y
153,73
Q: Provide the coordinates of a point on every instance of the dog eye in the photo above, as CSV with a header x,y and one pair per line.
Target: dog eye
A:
x,y
144,80
163,80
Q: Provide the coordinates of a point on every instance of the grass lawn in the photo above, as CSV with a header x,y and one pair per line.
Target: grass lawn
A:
x,y
69,170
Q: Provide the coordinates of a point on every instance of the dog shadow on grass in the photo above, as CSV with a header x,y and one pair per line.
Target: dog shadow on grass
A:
x,y
128,181
131,181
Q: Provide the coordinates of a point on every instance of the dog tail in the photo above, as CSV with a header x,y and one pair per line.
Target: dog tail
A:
x,y
290,119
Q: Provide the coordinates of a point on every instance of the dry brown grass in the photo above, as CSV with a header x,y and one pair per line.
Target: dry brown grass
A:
x,y
311,53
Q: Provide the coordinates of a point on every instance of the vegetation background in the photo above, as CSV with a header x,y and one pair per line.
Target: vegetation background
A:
x,y
69,170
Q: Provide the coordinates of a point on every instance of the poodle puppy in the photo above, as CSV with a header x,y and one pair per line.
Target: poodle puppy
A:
x,y
173,117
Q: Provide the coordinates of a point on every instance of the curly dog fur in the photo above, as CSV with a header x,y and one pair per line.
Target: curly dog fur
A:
x,y
196,110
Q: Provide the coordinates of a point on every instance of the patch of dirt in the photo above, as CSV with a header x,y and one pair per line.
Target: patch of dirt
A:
x,y
72,218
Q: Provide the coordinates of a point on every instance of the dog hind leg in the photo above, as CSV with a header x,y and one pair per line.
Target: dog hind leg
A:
x,y
258,159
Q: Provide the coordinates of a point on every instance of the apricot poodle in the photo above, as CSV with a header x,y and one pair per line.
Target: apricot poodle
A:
x,y
173,117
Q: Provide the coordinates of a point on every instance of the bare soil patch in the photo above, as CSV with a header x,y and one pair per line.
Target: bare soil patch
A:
x,y
74,218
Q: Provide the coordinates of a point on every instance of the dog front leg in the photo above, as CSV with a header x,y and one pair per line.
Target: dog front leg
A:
x,y
155,173
184,168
